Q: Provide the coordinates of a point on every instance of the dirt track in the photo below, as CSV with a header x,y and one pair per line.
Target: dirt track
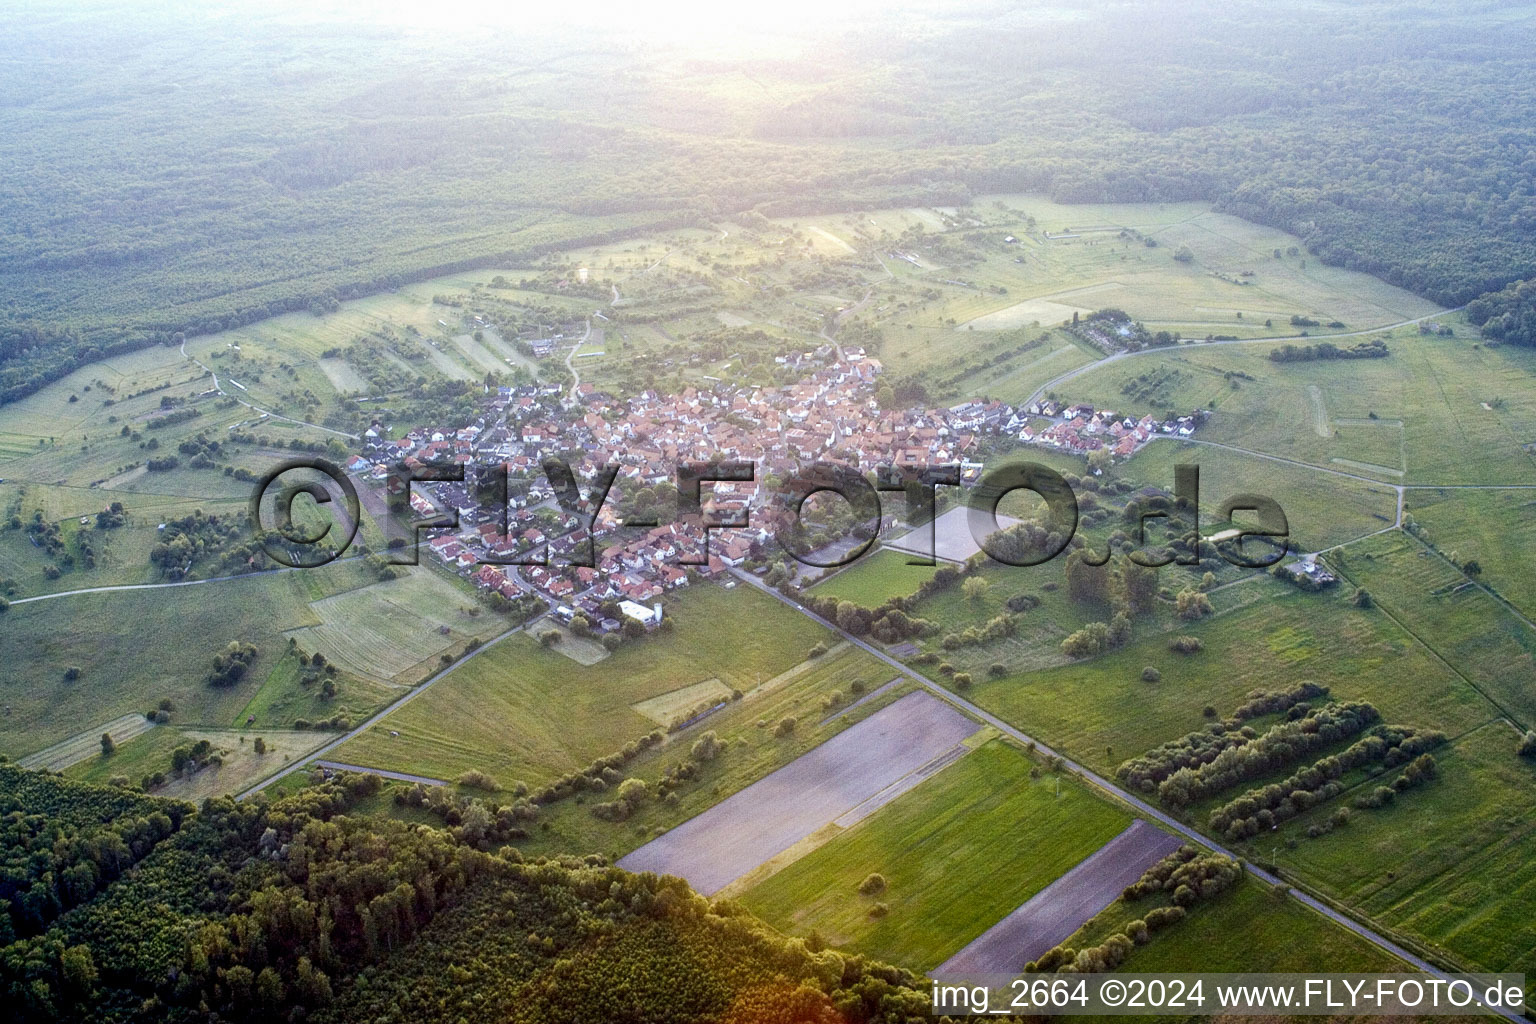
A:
x,y
1061,908
774,813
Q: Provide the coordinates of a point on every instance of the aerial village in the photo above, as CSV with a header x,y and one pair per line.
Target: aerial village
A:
x,y
830,415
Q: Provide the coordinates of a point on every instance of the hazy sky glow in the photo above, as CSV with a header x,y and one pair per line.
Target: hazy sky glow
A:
x,y
703,24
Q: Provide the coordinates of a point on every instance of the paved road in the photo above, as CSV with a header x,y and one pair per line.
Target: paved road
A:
x,y
1134,802
379,717
340,766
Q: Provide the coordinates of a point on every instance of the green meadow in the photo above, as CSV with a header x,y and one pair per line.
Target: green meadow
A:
x,y
958,852
526,712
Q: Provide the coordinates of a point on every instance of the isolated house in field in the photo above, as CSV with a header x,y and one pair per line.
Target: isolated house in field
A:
x,y
1306,570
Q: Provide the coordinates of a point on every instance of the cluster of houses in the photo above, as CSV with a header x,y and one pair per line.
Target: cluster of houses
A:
x,y
1082,428
829,415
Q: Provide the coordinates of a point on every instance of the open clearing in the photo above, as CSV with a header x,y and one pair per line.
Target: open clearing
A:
x,y
242,767
774,813
666,708
385,630
1022,314
1064,906
343,376
86,744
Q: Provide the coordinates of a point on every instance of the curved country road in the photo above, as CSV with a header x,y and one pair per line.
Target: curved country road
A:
x,y
1048,385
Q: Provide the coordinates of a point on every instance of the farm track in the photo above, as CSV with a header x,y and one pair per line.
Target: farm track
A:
x,y
256,408
1053,914
1134,802
380,715
339,766
1079,371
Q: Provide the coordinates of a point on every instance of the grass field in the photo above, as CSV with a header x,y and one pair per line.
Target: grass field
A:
x,y
1469,425
511,710
1451,863
137,647
282,699
395,631
1101,712
874,579
1497,528
242,767
750,750
1246,928
959,852
1466,628
1321,509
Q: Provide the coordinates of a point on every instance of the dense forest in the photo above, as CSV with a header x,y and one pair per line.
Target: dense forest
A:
x,y
295,910
187,169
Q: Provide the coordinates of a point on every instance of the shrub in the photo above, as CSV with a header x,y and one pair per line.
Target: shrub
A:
x,y
1192,604
1150,675
706,748
476,779
1527,745
997,670
1186,645
873,885
1023,602
786,726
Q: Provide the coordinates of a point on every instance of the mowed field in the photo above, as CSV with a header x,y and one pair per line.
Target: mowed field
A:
x,y
1051,915
875,578
958,853
1321,509
239,768
1497,528
521,711
771,815
1491,648
395,631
